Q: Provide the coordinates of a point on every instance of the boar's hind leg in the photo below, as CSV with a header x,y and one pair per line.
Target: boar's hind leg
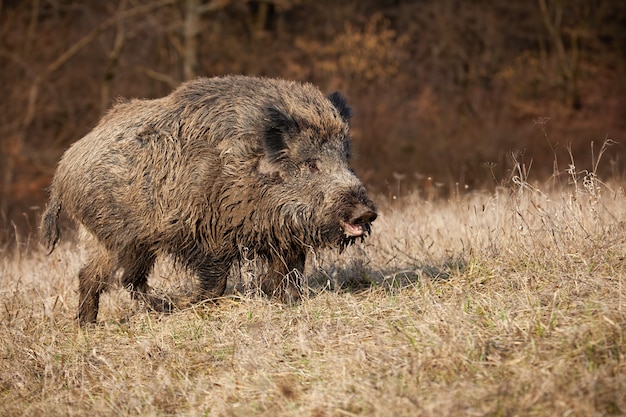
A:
x,y
138,263
284,277
93,279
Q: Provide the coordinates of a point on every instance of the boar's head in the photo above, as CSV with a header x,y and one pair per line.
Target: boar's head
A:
x,y
308,151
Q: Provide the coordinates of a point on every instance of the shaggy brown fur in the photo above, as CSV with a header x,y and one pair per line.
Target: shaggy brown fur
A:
x,y
218,165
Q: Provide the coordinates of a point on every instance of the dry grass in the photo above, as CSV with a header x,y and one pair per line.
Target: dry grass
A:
x,y
503,304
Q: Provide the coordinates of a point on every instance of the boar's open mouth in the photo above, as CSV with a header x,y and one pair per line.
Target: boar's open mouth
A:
x,y
355,230
359,226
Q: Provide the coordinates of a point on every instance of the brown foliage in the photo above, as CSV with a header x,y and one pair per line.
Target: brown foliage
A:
x,y
440,88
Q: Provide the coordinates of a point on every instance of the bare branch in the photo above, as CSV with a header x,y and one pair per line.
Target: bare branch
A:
x,y
212,6
167,79
81,43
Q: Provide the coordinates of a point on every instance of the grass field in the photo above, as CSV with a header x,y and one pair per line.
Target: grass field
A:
x,y
510,303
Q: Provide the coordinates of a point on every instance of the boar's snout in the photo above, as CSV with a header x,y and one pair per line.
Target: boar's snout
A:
x,y
358,223
363,214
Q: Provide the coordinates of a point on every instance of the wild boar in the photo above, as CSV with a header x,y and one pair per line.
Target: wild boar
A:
x,y
218,165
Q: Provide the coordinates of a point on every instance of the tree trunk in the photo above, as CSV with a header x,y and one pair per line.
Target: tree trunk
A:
x,y
191,31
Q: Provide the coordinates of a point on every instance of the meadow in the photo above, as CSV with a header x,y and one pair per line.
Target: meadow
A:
x,y
503,303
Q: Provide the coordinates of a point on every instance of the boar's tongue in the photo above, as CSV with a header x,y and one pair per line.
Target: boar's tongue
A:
x,y
352,230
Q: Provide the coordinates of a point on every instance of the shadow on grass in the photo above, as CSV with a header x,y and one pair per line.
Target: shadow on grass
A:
x,y
356,276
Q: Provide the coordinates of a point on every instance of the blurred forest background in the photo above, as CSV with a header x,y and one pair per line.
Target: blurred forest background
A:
x,y
447,94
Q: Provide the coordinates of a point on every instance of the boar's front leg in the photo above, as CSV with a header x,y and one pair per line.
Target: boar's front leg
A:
x,y
284,277
211,269
212,275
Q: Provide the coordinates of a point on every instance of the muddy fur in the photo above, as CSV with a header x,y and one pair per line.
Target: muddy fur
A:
x,y
218,165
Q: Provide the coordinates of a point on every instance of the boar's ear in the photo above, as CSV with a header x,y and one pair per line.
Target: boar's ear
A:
x,y
279,127
341,104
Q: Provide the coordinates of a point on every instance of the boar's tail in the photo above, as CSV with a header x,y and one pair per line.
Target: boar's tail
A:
x,y
50,231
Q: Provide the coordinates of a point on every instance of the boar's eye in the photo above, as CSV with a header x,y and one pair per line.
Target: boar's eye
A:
x,y
313,165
